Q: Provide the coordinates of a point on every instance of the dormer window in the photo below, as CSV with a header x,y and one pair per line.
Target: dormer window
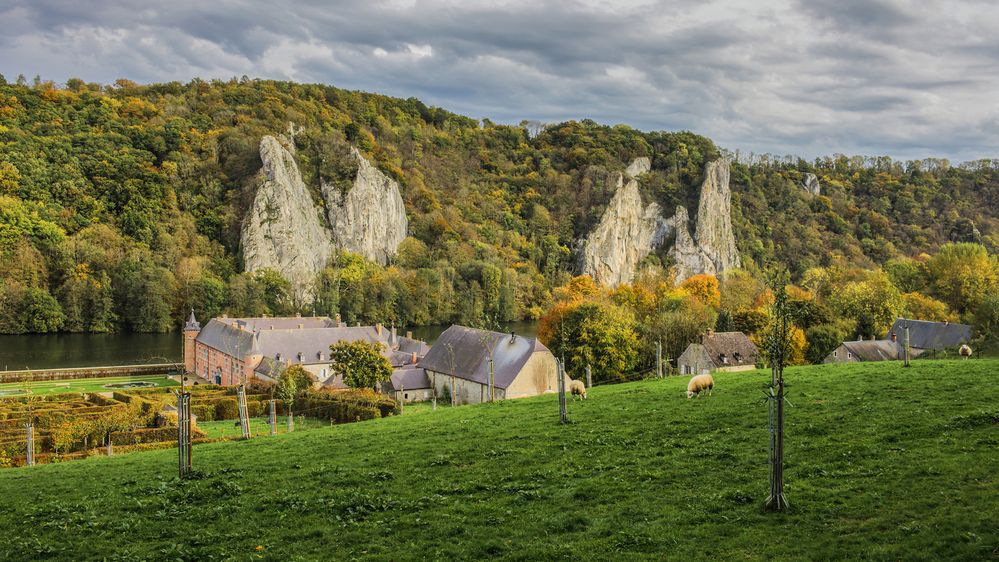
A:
x,y
319,355
301,357
724,359
737,355
278,356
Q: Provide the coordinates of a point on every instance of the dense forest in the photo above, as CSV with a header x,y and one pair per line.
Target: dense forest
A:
x,y
121,207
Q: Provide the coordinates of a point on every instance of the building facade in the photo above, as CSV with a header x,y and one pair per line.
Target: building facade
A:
x,y
463,360
718,352
229,351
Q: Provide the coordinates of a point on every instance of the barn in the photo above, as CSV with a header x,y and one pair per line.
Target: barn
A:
x,y
461,360
718,351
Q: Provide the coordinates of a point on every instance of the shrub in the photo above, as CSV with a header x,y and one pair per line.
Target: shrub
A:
x,y
226,409
204,412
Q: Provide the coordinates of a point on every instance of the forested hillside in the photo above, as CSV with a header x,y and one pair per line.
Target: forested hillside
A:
x,y
121,205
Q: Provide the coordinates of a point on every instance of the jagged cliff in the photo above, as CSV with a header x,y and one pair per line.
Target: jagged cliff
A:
x,y
283,229
370,218
626,234
811,184
714,218
629,231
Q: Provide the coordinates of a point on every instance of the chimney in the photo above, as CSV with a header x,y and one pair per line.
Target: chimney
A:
x,y
414,358
710,333
378,328
338,320
409,335
513,337
894,337
298,315
301,326
263,316
393,333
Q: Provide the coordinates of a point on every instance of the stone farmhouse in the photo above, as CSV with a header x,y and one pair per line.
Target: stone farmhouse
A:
x,y
229,351
718,352
461,360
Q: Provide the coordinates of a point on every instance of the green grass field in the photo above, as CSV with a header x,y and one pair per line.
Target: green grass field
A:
x,y
883,463
82,385
258,426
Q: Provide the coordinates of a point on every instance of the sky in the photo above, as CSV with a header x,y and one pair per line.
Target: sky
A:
x,y
903,78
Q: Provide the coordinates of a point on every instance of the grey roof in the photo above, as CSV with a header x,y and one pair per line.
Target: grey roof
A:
x,y
924,334
192,323
729,349
471,357
410,377
269,337
409,345
875,350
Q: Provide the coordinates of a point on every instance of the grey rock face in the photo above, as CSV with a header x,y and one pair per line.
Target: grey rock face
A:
x,y
629,231
370,218
626,234
811,184
638,167
714,218
690,258
283,229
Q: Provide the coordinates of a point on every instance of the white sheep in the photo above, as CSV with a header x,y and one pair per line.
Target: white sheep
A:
x,y
577,388
965,351
699,384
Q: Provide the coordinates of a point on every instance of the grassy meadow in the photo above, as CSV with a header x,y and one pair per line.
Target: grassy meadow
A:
x,y
883,463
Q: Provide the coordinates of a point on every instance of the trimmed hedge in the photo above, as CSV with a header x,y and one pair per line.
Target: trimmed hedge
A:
x,y
226,409
151,435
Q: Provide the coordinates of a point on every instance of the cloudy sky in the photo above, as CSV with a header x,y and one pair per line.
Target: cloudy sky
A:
x,y
906,78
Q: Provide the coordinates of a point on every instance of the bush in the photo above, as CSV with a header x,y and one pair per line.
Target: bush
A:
x,y
226,409
204,412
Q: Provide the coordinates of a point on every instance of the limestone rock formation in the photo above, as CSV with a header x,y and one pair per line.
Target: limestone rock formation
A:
x,y
370,218
626,234
283,229
638,167
690,258
811,184
714,218
629,231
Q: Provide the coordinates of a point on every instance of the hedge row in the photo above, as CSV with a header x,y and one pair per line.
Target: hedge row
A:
x,y
151,435
86,373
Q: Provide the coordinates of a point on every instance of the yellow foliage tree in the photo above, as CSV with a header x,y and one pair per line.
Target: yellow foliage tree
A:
x,y
703,288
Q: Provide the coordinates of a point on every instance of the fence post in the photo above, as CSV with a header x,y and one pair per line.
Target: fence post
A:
x,y
244,421
273,418
111,445
291,421
659,359
906,344
30,458
562,417
402,394
184,433
589,377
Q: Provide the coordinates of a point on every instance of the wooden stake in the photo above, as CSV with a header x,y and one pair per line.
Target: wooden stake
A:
x,y
30,457
589,377
273,417
562,414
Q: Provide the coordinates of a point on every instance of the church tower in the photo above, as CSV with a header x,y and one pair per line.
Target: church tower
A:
x,y
191,331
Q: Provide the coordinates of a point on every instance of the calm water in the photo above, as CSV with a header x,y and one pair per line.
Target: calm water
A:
x,y
50,351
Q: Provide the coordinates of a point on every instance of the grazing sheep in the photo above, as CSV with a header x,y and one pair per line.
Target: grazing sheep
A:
x,y
965,351
699,384
577,388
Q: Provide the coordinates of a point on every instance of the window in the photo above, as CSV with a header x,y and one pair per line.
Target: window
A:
x,y
405,396
849,355
836,353
724,359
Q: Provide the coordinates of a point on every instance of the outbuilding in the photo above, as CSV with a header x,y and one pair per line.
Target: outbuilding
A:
x,y
718,352
461,360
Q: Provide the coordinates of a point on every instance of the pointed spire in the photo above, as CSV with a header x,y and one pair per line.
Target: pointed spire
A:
x,y
192,323
255,344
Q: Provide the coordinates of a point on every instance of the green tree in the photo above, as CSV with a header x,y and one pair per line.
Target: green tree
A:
x,y
962,275
361,364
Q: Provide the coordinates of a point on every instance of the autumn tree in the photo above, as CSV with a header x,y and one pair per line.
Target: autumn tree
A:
x,y
361,364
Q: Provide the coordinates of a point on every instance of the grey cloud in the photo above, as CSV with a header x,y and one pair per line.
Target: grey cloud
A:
x,y
907,78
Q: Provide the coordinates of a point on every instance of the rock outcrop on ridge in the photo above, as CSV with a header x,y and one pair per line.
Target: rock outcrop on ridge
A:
x,y
811,184
629,231
370,218
626,234
283,229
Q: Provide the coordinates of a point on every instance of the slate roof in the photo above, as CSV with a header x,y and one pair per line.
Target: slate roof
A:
x,y
272,336
471,358
875,350
924,334
729,349
410,377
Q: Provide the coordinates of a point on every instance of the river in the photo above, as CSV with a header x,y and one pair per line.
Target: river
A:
x,y
53,351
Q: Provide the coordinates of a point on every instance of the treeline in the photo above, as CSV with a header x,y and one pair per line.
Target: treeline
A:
x,y
121,205
616,330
